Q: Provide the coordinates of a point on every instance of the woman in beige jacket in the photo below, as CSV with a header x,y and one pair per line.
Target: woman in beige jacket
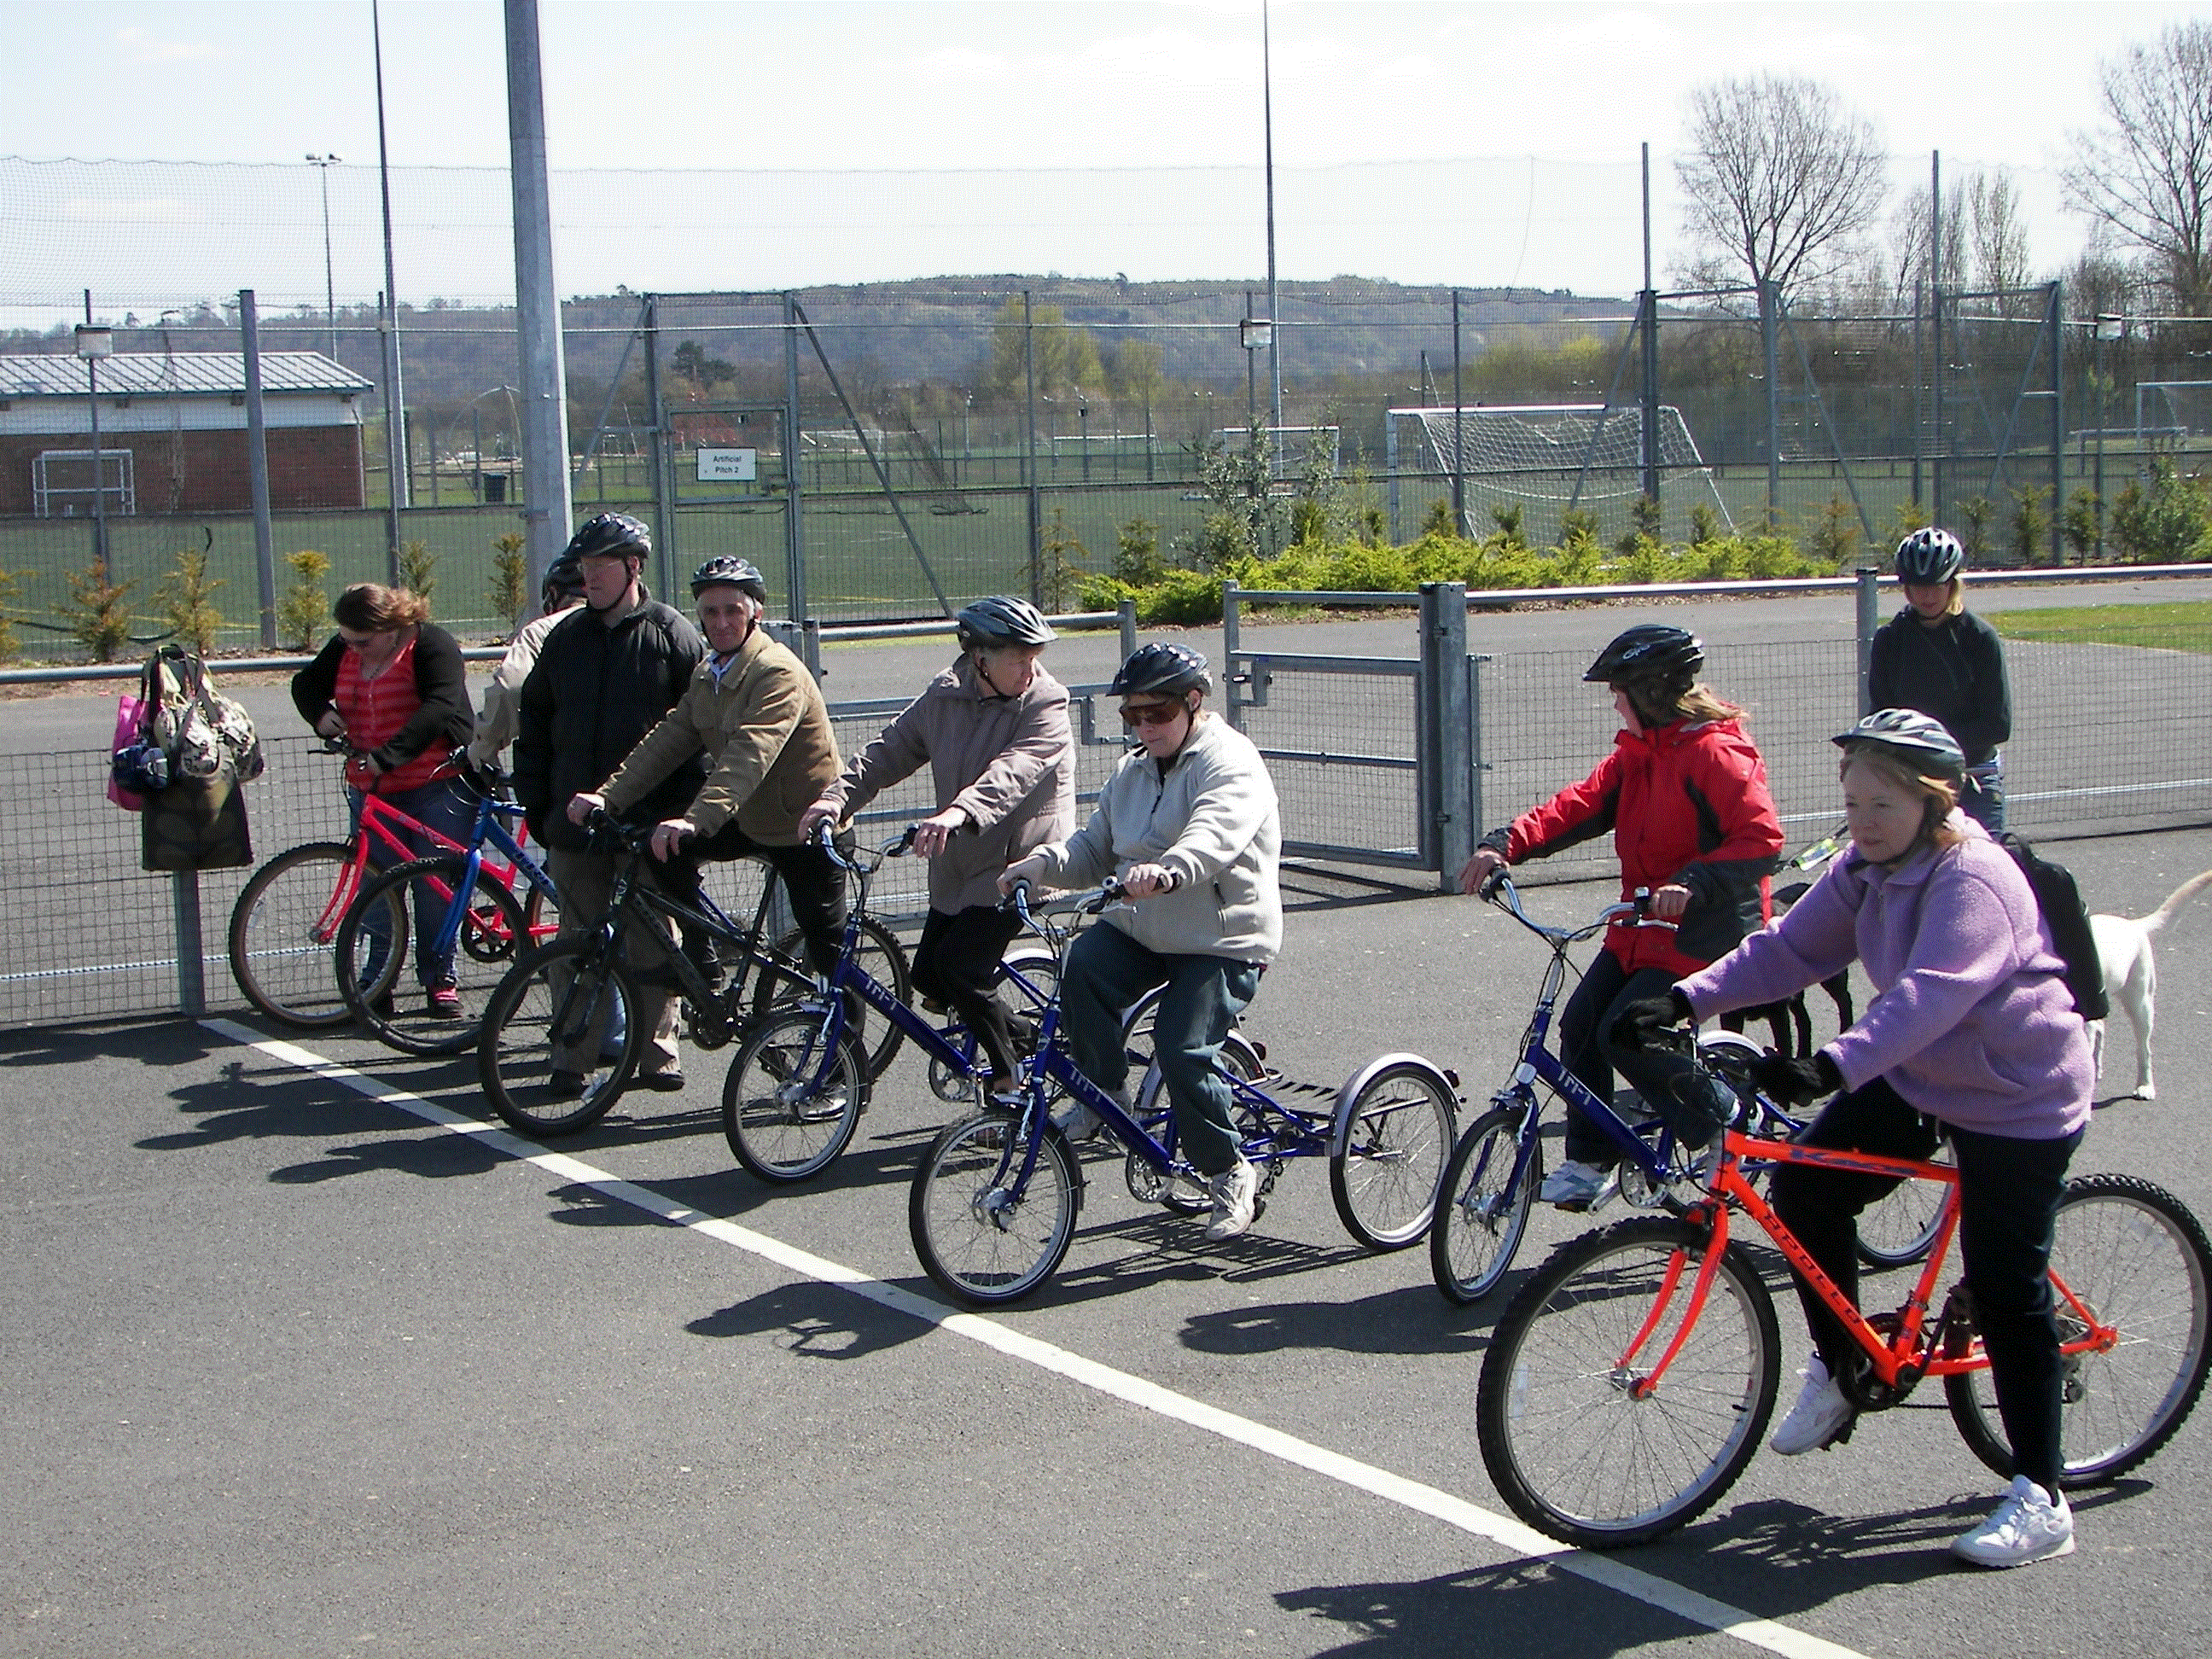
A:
x,y
993,728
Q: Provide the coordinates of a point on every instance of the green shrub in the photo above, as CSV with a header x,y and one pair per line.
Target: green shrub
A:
x,y
1975,513
509,591
10,591
2162,525
1704,523
418,568
303,609
2031,524
1440,520
99,612
188,603
1137,554
1834,534
2079,523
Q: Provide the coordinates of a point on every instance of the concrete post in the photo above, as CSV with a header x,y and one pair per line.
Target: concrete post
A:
x,y
1869,620
546,517
1232,708
257,467
1443,732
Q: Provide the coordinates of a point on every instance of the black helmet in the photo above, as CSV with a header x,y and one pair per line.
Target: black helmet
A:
x,y
1002,620
1924,745
610,536
1929,558
564,580
727,570
1162,669
1648,651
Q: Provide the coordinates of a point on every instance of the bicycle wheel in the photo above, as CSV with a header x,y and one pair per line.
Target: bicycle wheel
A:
x,y
282,931
1185,1191
2137,1259
883,959
373,948
561,1001
1040,972
1574,1445
980,1242
1481,1210
788,1109
1398,1140
1901,1229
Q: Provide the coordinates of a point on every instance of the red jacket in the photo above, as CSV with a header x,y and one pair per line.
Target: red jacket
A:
x,y
1686,803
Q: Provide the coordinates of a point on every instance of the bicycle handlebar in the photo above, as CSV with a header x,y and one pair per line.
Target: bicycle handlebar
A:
x,y
1500,891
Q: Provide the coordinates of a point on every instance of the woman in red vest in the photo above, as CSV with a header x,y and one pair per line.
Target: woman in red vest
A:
x,y
392,687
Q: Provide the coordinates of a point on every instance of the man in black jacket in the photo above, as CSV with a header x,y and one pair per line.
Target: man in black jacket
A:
x,y
602,679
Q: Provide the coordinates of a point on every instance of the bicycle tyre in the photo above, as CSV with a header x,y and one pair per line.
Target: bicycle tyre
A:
x,y
1399,1137
978,1242
1186,1191
1570,1447
1481,1212
883,959
1901,1230
282,930
563,985
2135,1254
483,950
786,1116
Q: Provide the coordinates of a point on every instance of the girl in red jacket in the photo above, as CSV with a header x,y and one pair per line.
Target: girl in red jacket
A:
x,y
1684,793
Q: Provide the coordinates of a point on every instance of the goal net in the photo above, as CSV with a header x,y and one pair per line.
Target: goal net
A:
x,y
1551,457
2172,415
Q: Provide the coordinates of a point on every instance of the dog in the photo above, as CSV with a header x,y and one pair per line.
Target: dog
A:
x,y
2123,951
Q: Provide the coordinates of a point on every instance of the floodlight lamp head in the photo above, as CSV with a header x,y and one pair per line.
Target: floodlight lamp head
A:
x,y
93,341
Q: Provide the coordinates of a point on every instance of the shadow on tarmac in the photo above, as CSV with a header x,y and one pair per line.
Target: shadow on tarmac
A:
x,y
813,1320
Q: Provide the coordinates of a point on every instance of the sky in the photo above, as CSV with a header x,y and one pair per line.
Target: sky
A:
x,y
940,123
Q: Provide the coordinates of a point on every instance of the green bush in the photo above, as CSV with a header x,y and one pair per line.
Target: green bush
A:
x,y
303,609
2079,523
2163,525
99,612
10,592
509,591
2031,524
188,603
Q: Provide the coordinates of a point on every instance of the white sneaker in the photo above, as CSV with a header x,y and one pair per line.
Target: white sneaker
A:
x,y
1822,1412
1079,1122
2030,1525
1573,1185
1235,1194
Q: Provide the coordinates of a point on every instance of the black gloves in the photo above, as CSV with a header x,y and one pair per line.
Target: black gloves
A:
x,y
1637,1024
1796,1082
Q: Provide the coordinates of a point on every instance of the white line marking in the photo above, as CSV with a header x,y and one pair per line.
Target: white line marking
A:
x,y
1436,1504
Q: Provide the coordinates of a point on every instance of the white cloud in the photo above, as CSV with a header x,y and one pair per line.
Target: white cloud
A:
x,y
144,47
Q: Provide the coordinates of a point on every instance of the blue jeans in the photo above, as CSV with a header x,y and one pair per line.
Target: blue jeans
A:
x,y
1983,796
1107,970
447,805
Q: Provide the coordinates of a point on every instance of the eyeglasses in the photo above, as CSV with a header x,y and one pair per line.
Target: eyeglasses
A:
x,y
1151,714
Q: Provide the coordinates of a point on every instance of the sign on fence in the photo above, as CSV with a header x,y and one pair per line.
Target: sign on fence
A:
x,y
728,465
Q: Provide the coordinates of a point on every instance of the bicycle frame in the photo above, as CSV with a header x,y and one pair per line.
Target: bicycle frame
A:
x,y
1899,1360
487,830
630,894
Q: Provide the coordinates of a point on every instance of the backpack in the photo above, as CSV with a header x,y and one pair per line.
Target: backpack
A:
x,y
2067,918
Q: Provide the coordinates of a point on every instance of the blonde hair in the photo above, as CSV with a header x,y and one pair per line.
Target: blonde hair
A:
x,y
372,608
1938,795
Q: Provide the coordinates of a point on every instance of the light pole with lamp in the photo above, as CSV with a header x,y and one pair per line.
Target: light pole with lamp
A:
x,y
94,344
1255,334
323,164
2109,327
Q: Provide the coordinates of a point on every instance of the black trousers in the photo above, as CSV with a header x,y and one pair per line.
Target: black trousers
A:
x,y
956,963
2008,1194
1605,989
815,885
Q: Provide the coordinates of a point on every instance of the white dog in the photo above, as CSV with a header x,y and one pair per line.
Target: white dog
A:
x,y
2124,950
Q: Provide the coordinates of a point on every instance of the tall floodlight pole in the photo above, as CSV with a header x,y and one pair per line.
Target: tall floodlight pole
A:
x,y
94,344
1267,122
395,405
545,513
323,165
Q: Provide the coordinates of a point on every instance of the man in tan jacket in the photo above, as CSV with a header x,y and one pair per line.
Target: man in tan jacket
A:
x,y
759,717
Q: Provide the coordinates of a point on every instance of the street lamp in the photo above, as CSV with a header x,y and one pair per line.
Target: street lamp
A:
x,y
2114,328
94,344
323,165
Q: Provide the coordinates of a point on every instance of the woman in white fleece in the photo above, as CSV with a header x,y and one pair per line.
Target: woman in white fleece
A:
x,y
1188,823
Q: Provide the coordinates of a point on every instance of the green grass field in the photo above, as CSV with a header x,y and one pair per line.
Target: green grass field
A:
x,y
2184,625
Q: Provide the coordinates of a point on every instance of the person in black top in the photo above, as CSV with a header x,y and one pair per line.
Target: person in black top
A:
x,y
1932,657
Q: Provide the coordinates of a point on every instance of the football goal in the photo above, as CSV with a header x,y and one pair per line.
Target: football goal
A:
x,y
1551,457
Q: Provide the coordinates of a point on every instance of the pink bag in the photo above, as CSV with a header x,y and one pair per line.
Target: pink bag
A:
x,y
130,729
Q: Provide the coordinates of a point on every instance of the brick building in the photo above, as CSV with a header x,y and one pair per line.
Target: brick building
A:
x,y
173,433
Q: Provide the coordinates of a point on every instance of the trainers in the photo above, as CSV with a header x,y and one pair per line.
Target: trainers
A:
x,y
1235,1192
1822,1413
2030,1525
1573,1185
565,1085
1079,1122
662,1083
445,1002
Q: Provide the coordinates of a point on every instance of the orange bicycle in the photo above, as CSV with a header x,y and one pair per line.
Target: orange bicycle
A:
x,y
1630,1380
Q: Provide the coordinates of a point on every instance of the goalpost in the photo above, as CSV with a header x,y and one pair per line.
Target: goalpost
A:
x,y
1551,457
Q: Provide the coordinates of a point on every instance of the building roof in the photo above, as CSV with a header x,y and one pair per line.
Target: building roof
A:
x,y
185,375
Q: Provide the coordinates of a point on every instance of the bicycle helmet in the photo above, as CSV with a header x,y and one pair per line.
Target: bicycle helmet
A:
x,y
610,536
1924,745
1161,670
1001,620
727,570
1649,651
1929,558
564,580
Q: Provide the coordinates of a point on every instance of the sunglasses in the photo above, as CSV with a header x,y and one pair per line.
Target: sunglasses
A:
x,y
1151,714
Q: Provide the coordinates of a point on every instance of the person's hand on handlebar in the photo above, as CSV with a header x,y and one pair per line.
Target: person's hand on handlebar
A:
x,y
930,835
1637,1024
583,806
1030,869
331,725
811,820
1668,903
1474,875
1141,881
669,836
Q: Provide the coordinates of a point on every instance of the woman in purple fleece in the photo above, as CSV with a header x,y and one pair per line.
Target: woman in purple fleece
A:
x,y
1970,1033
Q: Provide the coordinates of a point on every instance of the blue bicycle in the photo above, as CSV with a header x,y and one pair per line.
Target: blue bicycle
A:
x,y
993,1205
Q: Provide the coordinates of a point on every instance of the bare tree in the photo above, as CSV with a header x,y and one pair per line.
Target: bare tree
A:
x,y
2146,171
1984,239
1781,179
